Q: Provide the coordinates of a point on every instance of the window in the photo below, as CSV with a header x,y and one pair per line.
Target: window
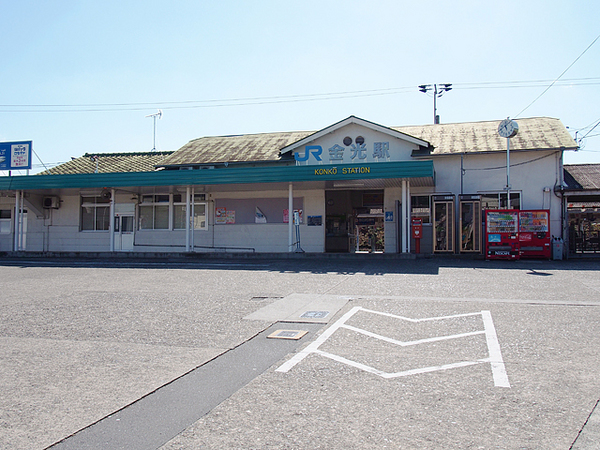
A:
x,y
154,212
420,207
5,222
95,213
168,212
498,200
199,211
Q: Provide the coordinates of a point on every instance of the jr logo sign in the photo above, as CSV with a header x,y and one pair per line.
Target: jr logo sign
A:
x,y
356,150
316,151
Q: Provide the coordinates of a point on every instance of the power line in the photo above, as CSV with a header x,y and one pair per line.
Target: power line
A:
x,y
559,77
512,165
592,129
246,101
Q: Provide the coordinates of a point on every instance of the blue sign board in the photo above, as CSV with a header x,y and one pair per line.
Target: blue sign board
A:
x,y
389,216
15,155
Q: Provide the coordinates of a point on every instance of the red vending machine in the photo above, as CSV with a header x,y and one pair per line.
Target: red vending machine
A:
x,y
501,234
534,234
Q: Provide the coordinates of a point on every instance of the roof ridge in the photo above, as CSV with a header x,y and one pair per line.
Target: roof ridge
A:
x,y
473,122
251,134
155,152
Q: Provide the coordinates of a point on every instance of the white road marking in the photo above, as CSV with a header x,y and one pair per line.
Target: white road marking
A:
x,y
495,356
407,343
498,368
285,367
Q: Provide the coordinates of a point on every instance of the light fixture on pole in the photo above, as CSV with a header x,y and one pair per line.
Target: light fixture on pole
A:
x,y
508,129
438,91
154,116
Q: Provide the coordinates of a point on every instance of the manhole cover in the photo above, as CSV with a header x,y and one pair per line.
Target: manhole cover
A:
x,y
315,314
287,334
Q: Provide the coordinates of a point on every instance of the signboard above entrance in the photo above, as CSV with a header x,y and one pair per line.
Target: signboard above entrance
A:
x,y
353,150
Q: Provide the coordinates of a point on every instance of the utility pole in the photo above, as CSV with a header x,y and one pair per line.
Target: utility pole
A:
x,y
438,91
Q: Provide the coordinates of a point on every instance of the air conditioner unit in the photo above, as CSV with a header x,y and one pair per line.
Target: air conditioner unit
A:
x,y
51,202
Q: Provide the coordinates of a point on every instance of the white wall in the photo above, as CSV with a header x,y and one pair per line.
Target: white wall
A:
x,y
530,174
399,150
267,237
59,230
7,239
391,229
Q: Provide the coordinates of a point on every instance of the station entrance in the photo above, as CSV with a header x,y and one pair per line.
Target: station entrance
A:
x,y
354,221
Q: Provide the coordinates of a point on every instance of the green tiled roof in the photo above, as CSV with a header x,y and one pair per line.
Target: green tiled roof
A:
x,y
111,163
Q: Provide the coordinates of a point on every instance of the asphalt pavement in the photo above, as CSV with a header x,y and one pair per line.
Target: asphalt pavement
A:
x,y
401,354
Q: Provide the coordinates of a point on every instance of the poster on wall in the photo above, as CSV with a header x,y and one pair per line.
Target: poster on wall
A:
x,y
315,221
259,217
286,215
224,216
230,217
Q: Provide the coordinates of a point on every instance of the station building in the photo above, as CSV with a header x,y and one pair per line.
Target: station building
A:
x,y
354,186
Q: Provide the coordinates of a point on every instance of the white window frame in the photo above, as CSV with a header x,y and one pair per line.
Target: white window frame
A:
x,y
499,195
199,199
4,221
95,205
154,201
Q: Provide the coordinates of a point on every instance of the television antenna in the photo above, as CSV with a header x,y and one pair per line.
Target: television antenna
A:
x,y
155,116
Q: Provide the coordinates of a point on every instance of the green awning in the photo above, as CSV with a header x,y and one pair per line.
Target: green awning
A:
x,y
223,175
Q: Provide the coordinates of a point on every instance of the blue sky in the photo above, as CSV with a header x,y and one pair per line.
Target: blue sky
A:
x,y
80,76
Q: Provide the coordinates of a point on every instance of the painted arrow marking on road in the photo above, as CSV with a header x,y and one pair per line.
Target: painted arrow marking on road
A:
x,y
494,359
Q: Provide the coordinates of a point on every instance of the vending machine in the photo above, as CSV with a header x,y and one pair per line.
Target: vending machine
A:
x,y
534,234
502,234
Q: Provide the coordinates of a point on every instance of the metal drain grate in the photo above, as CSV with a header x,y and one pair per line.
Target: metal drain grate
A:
x,y
262,298
287,334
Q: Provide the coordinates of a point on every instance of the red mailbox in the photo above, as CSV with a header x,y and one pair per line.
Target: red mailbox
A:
x,y
417,228
417,233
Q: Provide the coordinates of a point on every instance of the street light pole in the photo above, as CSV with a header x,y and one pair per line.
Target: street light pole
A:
x,y
444,87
